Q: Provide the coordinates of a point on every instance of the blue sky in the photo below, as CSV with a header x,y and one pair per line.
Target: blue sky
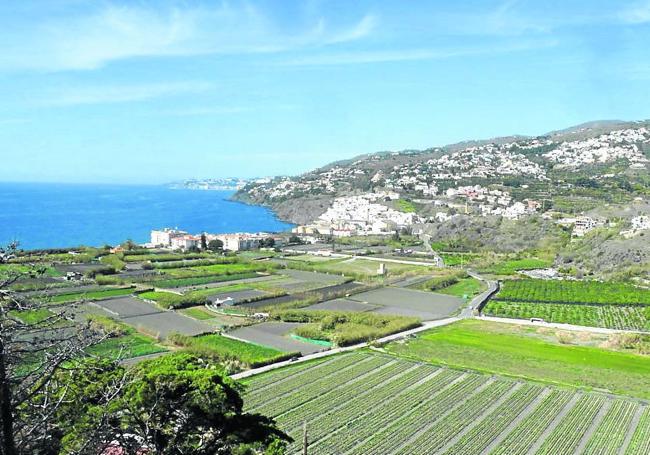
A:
x,y
153,91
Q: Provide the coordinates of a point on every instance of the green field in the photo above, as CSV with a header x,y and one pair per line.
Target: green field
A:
x,y
464,287
455,259
357,267
199,280
608,316
20,269
561,291
32,316
499,348
90,295
126,347
588,303
199,312
405,206
227,349
217,269
366,403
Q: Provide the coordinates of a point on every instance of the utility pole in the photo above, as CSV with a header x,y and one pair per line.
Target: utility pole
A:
x,y
304,438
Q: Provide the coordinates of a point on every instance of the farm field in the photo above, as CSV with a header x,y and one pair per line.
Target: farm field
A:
x,y
503,349
465,287
364,402
90,295
199,280
127,346
608,316
358,267
589,292
251,355
588,303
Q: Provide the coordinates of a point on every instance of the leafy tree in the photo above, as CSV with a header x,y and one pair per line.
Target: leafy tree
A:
x,y
204,242
177,404
215,245
129,245
295,239
268,242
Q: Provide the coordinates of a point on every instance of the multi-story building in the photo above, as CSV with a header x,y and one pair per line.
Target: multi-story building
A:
x,y
239,242
185,242
163,237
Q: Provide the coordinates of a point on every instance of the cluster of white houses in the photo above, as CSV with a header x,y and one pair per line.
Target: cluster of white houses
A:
x,y
177,239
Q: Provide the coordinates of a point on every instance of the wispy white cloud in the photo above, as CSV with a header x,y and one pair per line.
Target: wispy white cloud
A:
x,y
92,40
124,93
368,57
638,13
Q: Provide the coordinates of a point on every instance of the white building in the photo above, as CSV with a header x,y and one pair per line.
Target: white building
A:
x,y
239,242
584,224
185,242
164,236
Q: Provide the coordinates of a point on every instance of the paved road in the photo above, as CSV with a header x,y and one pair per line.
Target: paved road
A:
x,y
476,302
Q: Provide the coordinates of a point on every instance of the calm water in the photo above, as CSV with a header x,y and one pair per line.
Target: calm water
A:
x,y
63,215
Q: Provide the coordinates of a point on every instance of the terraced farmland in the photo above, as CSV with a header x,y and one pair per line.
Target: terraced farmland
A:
x,y
363,402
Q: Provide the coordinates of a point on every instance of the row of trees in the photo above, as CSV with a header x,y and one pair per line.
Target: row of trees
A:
x,y
57,398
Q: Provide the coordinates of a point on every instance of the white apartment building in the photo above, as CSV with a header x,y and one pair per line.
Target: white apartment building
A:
x,y
584,224
185,242
239,242
163,237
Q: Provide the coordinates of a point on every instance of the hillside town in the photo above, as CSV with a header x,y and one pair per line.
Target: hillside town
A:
x,y
616,145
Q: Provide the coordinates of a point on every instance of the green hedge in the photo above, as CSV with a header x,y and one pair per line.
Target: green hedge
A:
x,y
344,328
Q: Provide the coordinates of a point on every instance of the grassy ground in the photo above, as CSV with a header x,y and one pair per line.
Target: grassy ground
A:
x,y
126,347
32,316
250,354
6,269
366,267
199,312
405,206
94,295
465,287
499,348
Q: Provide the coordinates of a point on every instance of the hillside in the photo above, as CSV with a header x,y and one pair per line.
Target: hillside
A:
x,y
572,170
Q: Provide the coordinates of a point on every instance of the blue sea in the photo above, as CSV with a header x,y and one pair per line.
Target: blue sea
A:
x,y
66,215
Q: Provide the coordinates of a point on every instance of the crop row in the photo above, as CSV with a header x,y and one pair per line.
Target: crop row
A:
x,y
556,291
263,381
259,397
443,430
316,388
608,316
292,417
419,417
640,443
611,432
478,438
328,421
360,430
530,429
567,435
